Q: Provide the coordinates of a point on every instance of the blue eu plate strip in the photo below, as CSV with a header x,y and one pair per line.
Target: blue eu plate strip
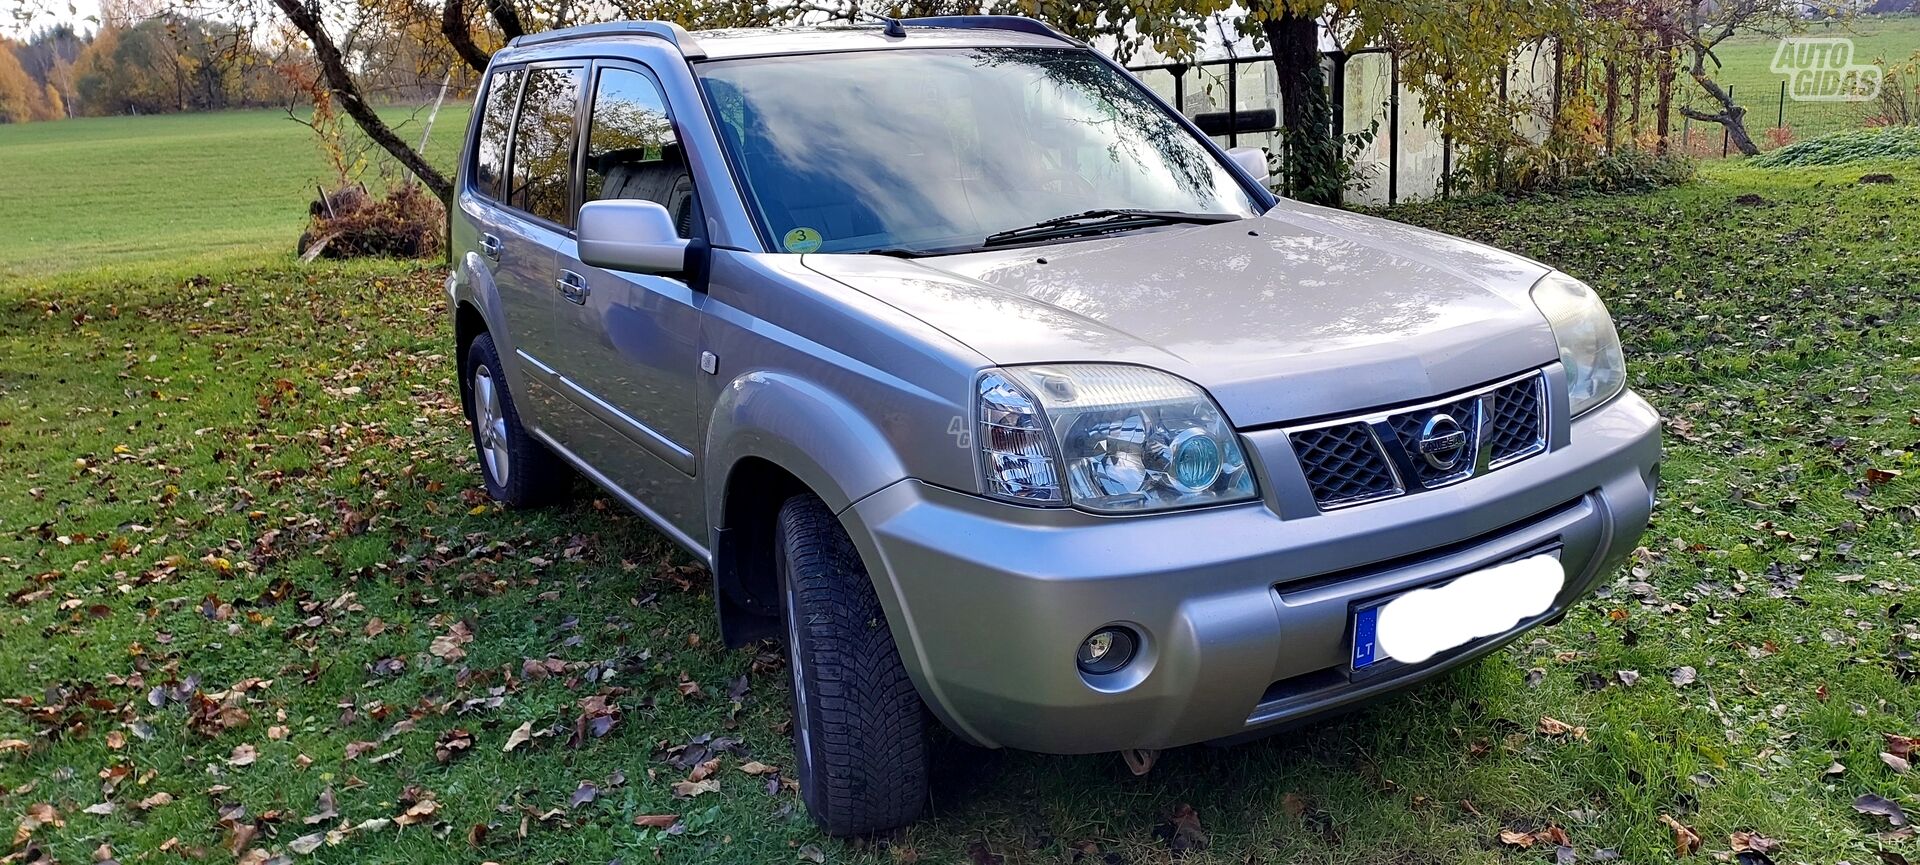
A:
x,y
1363,648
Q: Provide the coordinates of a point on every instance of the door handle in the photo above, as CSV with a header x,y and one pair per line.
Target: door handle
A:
x,y
490,246
573,286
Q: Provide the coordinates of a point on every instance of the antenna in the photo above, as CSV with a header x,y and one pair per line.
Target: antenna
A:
x,y
893,28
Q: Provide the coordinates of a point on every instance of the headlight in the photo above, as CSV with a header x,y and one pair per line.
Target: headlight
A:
x,y
1589,346
1106,438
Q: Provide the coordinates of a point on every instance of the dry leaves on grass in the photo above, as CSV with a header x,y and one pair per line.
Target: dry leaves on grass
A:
x,y
520,736
450,646
243,755
1183,832
1882,807
1686,842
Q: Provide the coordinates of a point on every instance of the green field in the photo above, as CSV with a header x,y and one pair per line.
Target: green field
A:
x,y
1747,66
253,600
170,187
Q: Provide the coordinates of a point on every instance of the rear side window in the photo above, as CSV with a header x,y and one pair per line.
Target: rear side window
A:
x,y
541,180
632,151
496,121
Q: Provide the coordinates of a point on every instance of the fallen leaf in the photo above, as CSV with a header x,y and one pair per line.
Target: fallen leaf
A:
x,y
102,809
519,736
421,811
1877,477
1184,834
1898,764
1881,806
810,853
1897,745
306,844
18,746
755,767
1686,842
156,800
656,821
583,794
1684,676
243,755
1627,677
690,789
1523,840
324,808
1743,842
449,646
704,770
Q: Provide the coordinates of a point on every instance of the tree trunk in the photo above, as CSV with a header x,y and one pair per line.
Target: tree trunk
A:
x,y
507,18
1612,71
1731,116
453,24
340,81
1663,120
1311,164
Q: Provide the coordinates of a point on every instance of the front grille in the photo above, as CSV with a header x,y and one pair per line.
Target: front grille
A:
x,y
1344,464
1515,423
1357,460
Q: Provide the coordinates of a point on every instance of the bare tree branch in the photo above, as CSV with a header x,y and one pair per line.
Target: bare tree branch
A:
x,y
334,65
453,24
507,18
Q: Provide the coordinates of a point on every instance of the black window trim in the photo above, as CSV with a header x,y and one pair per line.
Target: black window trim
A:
x,y
574,159
479,129
698,230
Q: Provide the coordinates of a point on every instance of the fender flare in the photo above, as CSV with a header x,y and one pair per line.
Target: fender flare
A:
x,y
821,443
811,432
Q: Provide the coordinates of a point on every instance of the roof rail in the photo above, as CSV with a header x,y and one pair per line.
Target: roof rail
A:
x,y
673,33
1016,23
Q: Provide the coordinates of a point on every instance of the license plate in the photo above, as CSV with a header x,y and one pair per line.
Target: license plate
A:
x,y
1415,626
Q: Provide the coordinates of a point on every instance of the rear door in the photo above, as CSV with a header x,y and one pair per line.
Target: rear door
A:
x,y
632,348
537,220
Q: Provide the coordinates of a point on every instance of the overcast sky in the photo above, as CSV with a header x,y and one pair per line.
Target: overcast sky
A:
x,y
82,14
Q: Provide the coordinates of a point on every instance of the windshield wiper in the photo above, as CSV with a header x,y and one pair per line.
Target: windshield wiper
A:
x,y
1101,220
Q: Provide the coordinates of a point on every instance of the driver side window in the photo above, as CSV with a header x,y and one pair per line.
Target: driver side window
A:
x,y
632,151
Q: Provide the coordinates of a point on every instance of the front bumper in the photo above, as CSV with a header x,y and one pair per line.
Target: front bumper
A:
x,y
1245,614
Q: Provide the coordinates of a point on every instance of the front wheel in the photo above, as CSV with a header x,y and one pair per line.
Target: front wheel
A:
x,y
859,729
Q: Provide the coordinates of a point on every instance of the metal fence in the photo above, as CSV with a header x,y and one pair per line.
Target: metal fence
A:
x,y
1236,101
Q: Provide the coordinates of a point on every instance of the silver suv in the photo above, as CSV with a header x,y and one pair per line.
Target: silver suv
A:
x,y
981,378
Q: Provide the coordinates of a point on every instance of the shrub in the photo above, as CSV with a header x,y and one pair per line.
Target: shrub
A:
x,y
349,223
1839,148
1626,170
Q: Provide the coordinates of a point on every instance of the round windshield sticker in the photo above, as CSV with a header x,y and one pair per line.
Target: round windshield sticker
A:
x,y
802,239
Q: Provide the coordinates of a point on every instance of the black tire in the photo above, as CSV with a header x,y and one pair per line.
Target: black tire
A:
x,y
517,468
859,729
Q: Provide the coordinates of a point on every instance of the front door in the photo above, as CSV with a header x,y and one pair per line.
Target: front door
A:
x,y
632,341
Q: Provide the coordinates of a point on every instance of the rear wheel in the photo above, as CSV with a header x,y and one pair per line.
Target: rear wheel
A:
x,y
859,729
518,469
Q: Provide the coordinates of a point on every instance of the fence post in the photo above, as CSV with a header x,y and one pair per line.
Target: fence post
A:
x,y
1726,133
1781,120
1233,103
1393,128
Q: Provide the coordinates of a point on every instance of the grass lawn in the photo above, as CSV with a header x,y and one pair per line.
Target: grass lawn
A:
x,y
252,599
77,193
1747,66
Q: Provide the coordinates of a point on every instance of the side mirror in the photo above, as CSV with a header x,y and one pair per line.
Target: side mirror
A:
x,y
631,235
1252,160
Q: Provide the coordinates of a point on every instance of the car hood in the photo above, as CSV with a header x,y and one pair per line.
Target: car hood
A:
x,y
1303,312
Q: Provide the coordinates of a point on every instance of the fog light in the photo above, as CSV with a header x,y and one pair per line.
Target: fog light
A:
x,y
1107,650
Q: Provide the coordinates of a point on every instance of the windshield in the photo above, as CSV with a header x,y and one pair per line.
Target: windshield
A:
x,y
936,149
